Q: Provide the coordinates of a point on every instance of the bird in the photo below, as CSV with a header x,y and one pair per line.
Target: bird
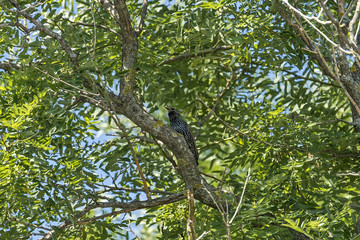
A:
x,y
180,126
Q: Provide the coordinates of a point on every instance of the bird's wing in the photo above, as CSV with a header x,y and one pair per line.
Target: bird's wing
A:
x,y
192,144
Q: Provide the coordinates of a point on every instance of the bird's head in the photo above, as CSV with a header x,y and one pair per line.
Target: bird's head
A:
x,y
172,112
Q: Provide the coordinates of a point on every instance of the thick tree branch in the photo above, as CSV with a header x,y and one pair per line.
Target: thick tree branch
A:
x,y
349,86
142,19
129,40
129,48
341,7
187,166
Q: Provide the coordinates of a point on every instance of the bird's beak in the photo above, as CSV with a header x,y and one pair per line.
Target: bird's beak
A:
x,y
168,107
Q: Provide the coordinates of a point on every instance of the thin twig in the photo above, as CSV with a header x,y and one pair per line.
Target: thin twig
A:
x,y
322,123
66,83
122,128
191,218
203,235
168,156
307,18
191,55
129,226
310,79
219,207
18,25
343,39
215,178
226,88
309,43
349,174
228,229
241,198
329,14
348,10
132,189
229,126
11,218
33,6
126,207
212,111
353,21
94,24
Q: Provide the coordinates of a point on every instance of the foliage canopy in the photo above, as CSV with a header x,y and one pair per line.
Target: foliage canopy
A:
x,y
82,120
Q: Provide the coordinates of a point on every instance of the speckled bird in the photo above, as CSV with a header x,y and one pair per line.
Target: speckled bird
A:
x,y
180,126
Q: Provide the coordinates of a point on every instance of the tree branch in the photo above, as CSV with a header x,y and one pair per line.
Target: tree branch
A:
x,y
11,218
212,111
353,21
142,19
191,217
126,207
342,36
123,129
18,25
191,55
345,80
133,189
92,25
128,105
241,198
251,137
341,7
86,93
310,79
7,66
129,40
306,18
310,45
73,56
355,174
